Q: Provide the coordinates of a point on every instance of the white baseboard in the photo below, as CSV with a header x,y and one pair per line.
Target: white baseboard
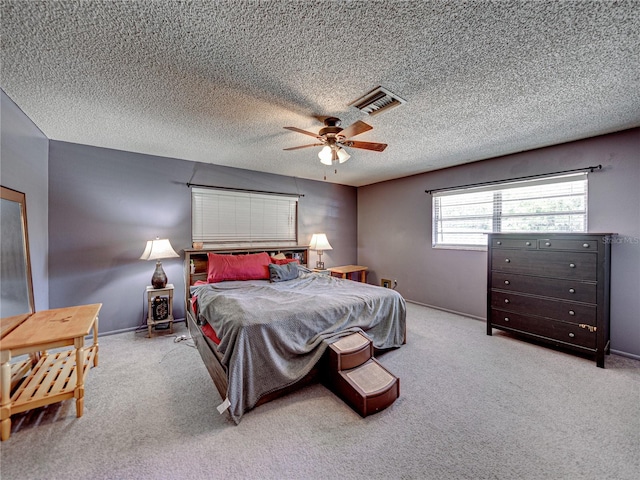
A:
x,y
447,310
625,354
130,329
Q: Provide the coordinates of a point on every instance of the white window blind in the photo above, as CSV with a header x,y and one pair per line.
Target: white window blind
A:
x,y
462,218
233,218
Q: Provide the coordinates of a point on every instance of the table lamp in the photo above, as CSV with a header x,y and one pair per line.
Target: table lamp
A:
x,y
319,242
155,250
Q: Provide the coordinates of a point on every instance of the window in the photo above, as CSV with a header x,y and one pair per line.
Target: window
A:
x,y
462,218
243,219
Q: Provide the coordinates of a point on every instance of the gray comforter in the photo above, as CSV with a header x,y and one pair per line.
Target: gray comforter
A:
x,y
272,334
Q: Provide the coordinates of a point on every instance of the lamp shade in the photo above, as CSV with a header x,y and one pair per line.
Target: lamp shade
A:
x,y
155,250
319,242
325,155
158,248
330,154
343,156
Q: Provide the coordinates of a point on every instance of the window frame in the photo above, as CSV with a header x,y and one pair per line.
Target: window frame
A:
x,y
242,218
496,193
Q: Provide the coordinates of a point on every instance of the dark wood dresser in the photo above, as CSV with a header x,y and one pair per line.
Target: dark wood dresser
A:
x,y
551,287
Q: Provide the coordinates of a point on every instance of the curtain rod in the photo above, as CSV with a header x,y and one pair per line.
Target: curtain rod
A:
x,y
496,182
245,190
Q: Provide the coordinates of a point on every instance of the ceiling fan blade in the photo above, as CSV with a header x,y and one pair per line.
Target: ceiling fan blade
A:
x,y
305,146
355,129
299,130
378,147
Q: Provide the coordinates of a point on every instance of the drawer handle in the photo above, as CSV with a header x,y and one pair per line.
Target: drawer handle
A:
x,y
528,244
591,328
506,300
547,244
571,334
507,282
585,245
572,265
498,242
572,313
507,260
506,319
572,290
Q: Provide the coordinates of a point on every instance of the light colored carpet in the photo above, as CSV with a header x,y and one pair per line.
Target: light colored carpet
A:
x,y
471,407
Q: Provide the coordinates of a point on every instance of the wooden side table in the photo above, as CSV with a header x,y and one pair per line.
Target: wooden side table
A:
x,y
346,271
56,376
167,291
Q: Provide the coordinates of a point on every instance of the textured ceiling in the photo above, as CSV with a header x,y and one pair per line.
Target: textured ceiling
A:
x,y
215,81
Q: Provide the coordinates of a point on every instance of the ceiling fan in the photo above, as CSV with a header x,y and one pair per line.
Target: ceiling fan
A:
x,y
334,138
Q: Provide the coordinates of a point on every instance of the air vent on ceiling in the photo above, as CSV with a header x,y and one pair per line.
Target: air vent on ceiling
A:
x,y
377,100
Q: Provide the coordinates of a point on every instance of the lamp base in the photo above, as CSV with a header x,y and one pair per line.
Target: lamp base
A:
x,y
159,278
319,262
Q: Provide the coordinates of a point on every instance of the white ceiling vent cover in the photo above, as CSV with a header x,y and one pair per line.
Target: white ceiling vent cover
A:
x,y
377,100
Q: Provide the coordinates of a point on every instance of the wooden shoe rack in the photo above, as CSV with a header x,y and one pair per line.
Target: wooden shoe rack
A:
x,y
47,376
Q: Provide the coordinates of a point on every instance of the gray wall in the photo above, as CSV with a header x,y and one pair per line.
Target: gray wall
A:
x,y
105,204
24,167
394,228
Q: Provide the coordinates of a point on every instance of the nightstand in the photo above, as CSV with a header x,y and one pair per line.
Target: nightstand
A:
x,y
159,311
347,271
321,271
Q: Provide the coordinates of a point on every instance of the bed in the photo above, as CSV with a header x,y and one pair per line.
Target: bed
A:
x,y
261,338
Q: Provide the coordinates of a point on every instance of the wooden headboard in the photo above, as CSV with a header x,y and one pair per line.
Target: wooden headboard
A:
x,y
199,257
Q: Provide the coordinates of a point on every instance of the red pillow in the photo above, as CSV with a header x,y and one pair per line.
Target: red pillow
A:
x,y
284,261
254,266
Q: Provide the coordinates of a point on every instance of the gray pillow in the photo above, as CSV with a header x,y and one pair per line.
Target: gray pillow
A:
x,y
281,273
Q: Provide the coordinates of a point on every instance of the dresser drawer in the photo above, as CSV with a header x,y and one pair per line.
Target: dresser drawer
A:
x,y
572,290
527,243
583,245
543,307
568,265
544,327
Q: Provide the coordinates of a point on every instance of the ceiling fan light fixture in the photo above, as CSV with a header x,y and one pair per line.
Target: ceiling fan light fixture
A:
x,y
334,138
325,155
343,156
